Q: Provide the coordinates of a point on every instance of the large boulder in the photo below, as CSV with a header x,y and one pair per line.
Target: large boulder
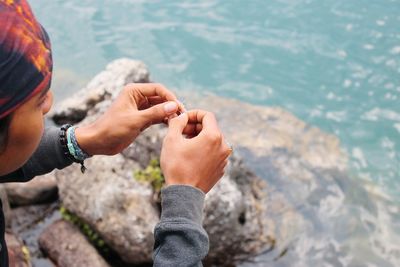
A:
x,y
303,182
39,190
124,212
110,200
106,85
235,217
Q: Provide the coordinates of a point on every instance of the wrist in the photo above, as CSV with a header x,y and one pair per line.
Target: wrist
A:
x,y
87,137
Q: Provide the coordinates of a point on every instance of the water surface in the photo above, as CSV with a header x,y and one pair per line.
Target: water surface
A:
x,y
334,64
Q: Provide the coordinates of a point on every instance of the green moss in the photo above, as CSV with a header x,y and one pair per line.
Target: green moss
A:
x,y
151,174
85,228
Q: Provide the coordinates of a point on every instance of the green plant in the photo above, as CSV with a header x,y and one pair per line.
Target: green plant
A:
x,y
151,174
85,228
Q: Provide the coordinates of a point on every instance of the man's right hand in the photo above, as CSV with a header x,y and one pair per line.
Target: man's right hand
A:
x,y
194,151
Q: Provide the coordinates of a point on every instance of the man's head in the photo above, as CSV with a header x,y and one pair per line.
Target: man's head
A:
x,y
25,76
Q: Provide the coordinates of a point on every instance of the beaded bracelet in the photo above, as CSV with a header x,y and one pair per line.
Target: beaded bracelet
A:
x,y
73,145
69,149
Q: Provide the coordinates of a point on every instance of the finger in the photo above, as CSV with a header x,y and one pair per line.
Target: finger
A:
x,y
222,166
193,129
176,125
155,100
225,163
196,115
209,124
146,102
153,89
157,113
182,107
227,149
205,118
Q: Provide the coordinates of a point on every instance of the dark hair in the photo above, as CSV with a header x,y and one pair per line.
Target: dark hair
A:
x,y
4,125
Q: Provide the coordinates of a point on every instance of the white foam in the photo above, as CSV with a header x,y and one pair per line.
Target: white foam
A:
x,y
342,53
368,47
330,95
397,127
349,27
377,113
347,83
387,143
380,22
315,113
359,155
395,50
389,86
336,115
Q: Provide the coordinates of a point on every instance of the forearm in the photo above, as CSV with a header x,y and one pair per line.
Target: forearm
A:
x,y
47,157
180,239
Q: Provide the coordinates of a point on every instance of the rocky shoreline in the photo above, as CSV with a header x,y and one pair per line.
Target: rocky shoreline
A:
x,y
245,215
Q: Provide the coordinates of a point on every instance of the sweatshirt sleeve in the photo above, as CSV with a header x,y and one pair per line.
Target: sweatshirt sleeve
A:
x,y
48,156
180,239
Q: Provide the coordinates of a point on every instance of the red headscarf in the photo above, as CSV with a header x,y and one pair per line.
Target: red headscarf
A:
x,y
25,55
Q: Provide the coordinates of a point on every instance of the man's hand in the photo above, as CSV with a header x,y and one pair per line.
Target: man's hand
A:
x,y
137,107
199,158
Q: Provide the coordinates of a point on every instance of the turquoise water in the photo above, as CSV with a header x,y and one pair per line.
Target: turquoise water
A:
x,y
334,63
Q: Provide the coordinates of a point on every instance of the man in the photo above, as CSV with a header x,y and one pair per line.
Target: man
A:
x,y
191,165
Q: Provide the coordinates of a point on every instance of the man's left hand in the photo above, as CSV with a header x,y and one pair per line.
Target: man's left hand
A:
x,y
137,107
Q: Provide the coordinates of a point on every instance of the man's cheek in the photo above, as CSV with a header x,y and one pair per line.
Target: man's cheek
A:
x,y
26,134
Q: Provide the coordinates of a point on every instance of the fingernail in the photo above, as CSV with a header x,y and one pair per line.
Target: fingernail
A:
x,y
170,107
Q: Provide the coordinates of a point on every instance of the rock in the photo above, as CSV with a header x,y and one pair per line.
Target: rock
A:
x,y
244,215
5,205
147,145
39,190
18,252
28,222
120,209
108,193
235,217
273,131
106,85
124,213
68,247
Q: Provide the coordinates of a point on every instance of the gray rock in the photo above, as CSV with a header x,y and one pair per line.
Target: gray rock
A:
x,y
106,193
235,213
28,222
106,85
147,145
18,252
39,190
244,215
68,247
124,212
271,131
118,207
5,205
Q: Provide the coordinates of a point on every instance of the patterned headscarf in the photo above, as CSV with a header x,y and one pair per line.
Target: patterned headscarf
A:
x,y
25,55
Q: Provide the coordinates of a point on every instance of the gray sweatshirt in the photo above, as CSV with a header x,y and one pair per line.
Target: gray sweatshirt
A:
x,y
180,239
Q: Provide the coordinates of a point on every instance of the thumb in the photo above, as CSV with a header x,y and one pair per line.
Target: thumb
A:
x,y
178,124
158,113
